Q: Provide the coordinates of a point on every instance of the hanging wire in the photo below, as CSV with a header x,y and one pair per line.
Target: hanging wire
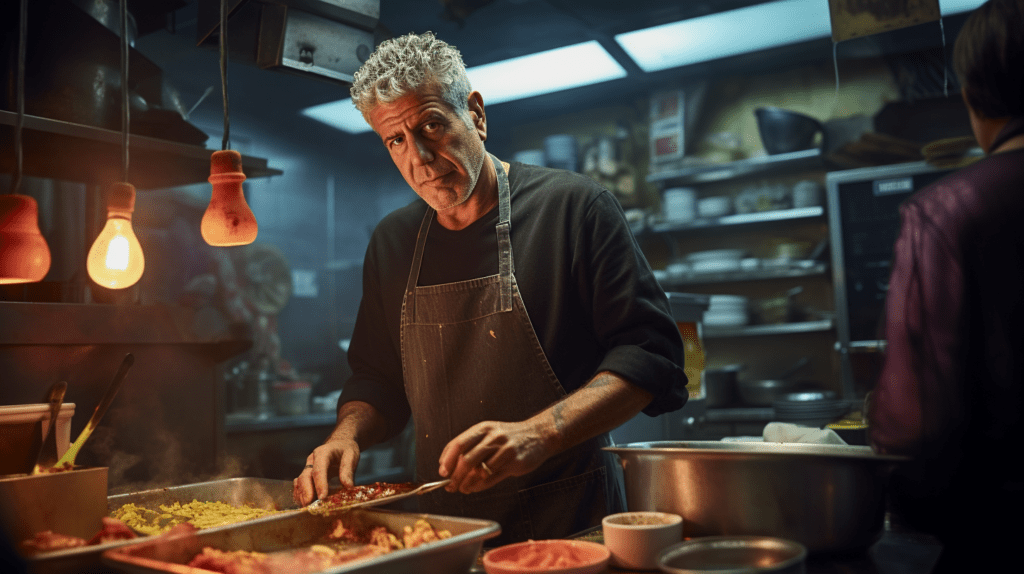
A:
x,y
20,122
124,89
945,68
224,69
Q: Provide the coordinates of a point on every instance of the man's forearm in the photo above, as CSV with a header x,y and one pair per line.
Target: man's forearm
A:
x,y
601,405
360,422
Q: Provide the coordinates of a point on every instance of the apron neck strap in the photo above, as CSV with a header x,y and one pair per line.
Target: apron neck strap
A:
x,y
503,230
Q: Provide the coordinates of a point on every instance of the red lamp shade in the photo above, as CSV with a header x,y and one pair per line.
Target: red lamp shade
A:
x,y
228,220
24,255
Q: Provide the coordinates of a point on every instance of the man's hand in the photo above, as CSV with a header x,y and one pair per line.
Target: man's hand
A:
x,y
359,426
311,484
489,452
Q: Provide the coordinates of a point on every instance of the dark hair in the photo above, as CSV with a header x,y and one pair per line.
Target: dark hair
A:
x,y
989,58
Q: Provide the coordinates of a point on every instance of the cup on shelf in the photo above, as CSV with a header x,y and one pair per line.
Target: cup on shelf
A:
x,y
679,204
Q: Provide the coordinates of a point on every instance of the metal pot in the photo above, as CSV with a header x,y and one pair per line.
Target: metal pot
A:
x,y
827,497
720,386
764,392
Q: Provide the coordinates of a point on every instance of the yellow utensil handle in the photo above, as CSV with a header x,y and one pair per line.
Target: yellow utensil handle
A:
x,y
101,409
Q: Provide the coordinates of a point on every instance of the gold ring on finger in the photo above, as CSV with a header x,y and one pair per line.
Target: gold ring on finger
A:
x,y
486,468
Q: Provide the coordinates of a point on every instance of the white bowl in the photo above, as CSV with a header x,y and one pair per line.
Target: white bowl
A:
x,y
636,539
717,255
716,206
725,318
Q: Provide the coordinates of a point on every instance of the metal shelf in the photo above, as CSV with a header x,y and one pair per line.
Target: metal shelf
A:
x,y
794,161
762,330
737,219
818,268
68,151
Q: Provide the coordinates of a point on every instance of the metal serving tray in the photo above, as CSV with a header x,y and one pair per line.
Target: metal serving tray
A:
x,y
171,553
260,492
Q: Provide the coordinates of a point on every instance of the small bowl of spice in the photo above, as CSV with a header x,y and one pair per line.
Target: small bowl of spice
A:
x,y
635,539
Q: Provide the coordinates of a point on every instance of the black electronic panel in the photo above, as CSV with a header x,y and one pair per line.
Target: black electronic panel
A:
x,y
868,211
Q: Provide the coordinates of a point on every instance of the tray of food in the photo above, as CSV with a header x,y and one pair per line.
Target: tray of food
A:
x,y
132,517
363,540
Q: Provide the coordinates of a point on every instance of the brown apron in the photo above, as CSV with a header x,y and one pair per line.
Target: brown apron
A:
x,y
470,354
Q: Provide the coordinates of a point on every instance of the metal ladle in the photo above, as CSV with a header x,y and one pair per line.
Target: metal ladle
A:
x,y
47,455
68,460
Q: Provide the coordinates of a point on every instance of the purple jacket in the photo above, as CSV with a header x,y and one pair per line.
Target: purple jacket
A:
x,y
950,392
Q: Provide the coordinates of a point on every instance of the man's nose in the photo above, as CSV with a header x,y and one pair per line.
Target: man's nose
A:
x,y
424,153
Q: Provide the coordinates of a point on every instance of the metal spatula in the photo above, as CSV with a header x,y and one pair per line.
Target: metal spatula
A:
x,y
48,450
421,489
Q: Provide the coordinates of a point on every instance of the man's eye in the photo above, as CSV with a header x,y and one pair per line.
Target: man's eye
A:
x,y
431,127
395,142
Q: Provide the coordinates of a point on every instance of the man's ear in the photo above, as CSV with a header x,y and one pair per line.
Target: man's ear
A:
x,y
476,112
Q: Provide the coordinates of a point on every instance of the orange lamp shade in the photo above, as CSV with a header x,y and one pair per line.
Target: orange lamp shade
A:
x,y
228,219
24,255
115,260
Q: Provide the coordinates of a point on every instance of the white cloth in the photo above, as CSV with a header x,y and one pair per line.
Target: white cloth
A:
x,y
788,432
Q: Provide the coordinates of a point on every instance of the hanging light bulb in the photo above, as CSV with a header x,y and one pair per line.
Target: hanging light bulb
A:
x,y
228,219
25,257
115,259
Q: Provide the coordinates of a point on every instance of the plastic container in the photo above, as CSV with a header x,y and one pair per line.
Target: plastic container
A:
x,y
291,398
688,311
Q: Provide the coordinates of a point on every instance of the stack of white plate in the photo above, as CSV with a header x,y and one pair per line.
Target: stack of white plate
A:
x,y
716,260
679,204
726,311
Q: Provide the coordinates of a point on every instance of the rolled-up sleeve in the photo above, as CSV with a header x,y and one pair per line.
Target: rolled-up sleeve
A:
x,y
631,314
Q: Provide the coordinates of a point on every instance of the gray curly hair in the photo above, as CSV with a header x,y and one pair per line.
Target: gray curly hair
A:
x,y
403,65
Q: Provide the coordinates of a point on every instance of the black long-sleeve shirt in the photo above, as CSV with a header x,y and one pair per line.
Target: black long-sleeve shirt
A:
x,y
591,296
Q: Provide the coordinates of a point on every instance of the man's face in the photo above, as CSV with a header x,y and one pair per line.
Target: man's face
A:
x,y
438,154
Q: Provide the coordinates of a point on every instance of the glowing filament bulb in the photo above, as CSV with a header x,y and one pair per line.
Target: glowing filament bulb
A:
x,y
115,259
228,220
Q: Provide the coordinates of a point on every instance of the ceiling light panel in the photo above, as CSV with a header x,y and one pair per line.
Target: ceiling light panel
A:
x,y
726,34
514,79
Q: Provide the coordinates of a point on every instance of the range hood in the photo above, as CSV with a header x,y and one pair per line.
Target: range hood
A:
x,y
324,39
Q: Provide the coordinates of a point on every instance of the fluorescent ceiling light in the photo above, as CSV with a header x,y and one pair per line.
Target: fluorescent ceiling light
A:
x,y
545,72
947,7
739,31
727,34
514,79
341,115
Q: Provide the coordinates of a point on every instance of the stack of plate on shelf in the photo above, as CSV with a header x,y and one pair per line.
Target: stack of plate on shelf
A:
x,y
726,311
809,408
716,260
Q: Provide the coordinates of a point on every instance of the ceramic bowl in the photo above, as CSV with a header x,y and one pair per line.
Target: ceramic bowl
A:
x,y
636,539
547,557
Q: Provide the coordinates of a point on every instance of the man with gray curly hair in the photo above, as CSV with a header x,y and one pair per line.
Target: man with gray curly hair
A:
x,y
508,312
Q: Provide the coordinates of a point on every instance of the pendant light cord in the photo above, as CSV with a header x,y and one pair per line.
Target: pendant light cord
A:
x,y
224,69
124,89
20,122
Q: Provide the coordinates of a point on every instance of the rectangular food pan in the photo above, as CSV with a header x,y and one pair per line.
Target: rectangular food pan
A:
x,y
259,492
171,553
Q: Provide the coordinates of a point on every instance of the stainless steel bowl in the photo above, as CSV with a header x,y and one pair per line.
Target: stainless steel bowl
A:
x,y
734,555
827,497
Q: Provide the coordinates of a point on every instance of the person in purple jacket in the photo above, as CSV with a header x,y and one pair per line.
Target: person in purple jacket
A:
x,y
949,395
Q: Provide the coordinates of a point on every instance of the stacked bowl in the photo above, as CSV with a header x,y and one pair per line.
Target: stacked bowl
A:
x,y
811,408
726,311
